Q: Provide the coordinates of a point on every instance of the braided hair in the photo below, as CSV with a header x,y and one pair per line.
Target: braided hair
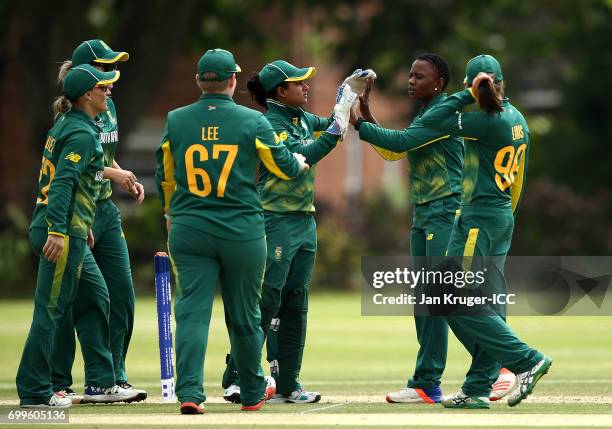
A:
x,y
439,64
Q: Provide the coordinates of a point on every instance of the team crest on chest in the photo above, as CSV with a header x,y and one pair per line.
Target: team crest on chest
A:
x,y
296,121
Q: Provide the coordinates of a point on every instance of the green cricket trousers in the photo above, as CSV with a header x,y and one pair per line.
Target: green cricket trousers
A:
x,y
111,255
481,231
200,260
73,281
292,249
432,224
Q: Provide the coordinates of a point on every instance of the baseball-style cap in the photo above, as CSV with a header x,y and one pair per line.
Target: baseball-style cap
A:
x,y
218,61
96,51
83,78
482,63
279,71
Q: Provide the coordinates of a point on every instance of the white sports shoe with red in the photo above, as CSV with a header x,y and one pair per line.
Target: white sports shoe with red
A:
x,y
505,384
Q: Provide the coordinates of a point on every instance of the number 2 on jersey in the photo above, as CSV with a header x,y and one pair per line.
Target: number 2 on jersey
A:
x,y
194,172
506,164
47,168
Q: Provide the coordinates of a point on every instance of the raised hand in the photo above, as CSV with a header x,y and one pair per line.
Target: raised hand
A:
x,y
364,103
345,100
481,77
358,80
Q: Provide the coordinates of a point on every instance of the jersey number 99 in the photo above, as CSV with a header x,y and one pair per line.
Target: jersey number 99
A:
x,y
203,186
507,163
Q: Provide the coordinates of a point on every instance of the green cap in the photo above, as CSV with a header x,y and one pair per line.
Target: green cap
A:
x,y
279,71
96,51
482,63
83,78
218,61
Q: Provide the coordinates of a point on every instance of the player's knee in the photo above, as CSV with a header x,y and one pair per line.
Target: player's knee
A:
x,y
246,329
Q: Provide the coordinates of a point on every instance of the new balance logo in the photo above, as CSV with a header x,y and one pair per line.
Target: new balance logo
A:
x,y
74,157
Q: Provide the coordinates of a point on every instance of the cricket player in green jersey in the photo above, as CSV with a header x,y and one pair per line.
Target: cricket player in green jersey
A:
x,y
436,161
69,183
291,234
110,248
496,151
206,166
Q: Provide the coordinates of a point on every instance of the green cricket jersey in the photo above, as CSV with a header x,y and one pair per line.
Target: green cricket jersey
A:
x,y
435,169
70,177
298,130
109,139
496,149
207,162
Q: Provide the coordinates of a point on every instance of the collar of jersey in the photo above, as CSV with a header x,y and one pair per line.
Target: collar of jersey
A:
x,y
287,111
216,97
436,100
79,114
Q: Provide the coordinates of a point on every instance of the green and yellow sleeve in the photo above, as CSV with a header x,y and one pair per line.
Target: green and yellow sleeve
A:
x,y
445,117
73,160
164,175
313,151
318,123
393,144
274,155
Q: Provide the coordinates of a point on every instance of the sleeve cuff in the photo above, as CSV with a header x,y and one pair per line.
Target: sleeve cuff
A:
x,y
59,234
470,90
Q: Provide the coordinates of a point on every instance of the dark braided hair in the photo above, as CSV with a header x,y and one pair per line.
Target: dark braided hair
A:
x,y
258,93
439,64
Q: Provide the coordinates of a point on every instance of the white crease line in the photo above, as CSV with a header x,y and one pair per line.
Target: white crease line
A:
x,y
379,382
322,408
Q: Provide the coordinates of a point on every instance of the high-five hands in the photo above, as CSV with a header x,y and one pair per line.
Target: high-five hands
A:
x,y
345,100
358,80
355,87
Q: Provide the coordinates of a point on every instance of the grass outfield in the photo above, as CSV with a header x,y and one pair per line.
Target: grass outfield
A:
x,y
353,361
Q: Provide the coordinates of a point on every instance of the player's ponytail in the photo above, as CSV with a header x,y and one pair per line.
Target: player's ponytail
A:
x,y
490,95
61,104
63,71
259,94
257,91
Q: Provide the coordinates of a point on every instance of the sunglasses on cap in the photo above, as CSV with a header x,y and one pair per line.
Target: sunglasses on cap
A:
x,y
106,67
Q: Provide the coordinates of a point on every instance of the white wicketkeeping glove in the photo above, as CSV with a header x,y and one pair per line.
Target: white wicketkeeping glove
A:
x,y
345,100
301,159
357,80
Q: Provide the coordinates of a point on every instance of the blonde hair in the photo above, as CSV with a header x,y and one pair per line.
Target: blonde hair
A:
x,y
61,104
